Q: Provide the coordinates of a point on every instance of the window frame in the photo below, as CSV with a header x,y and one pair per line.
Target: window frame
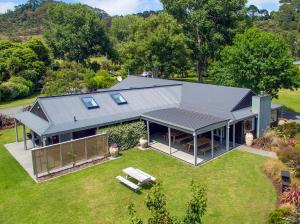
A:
x,y
87,106
115,100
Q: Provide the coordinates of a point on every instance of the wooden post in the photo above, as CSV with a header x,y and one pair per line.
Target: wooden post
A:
x,y
212,143
195,149
227,136
24,137
233,136
169,137
16,128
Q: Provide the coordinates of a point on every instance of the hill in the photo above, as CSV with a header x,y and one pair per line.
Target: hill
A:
x,y
28,19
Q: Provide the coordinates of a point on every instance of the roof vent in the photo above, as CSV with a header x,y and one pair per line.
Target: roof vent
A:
x,y
75,119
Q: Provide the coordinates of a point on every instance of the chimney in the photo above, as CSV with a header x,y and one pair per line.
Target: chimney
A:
x,y
261,105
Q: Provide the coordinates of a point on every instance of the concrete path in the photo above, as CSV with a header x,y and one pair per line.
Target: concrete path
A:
x,y
24,158
257,151
11,111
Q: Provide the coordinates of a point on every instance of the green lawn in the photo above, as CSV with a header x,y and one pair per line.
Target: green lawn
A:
x,y
291,99
20,102
238,191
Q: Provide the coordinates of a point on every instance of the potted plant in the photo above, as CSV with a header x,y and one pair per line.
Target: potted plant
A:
x,y
249,138
143,142
114,150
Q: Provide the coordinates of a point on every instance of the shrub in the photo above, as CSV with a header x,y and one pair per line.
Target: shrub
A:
x,y
293,217
273,168
14,88
277,216
297,142
292,196
6,121
125,135
287,131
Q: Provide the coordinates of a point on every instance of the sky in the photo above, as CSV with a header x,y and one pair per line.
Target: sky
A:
x,y
123,7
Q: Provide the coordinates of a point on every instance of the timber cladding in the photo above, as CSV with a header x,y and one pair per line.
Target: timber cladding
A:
x,y
67,154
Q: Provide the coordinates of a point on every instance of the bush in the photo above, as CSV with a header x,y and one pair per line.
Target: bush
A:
x,y
126,136
6,121
273,168
292,196
277,216
287,131
297,142
16,87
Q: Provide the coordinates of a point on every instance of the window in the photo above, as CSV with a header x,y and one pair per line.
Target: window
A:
x,y
118,98
89,102
249,125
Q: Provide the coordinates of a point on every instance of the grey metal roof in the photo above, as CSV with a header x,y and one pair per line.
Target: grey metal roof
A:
x,y
141,82
143,95
185,119
32,121
62,109
275,106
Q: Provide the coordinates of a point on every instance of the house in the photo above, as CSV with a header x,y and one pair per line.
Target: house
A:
x,y
169,109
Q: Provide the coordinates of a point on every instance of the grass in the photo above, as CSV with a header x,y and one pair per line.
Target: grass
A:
x,y
291,99
238,191
20,102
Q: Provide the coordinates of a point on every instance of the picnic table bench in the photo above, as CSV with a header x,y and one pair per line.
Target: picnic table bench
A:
x,y
128,183
140,176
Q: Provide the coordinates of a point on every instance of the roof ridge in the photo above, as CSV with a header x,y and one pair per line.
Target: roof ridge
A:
x,y
110,90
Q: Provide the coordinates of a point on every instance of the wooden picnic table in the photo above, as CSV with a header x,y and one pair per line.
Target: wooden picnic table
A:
x,y
174,135
135,174
202,141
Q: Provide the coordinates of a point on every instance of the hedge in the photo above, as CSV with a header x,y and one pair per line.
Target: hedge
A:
x,y
127,135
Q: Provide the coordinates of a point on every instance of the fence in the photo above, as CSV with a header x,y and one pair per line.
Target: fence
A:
x,y
64,155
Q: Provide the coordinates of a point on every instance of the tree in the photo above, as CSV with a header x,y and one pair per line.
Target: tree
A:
x,y
196,208
252,12
19,59
75,32
208,23
158,44
257,60
69,78
157,205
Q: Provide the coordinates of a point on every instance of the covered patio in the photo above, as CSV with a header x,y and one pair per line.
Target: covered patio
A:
x,y
189,136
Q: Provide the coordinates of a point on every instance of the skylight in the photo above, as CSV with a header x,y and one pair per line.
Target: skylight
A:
x,y
118,98
89,102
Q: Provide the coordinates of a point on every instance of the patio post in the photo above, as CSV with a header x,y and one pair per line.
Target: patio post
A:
x,y
33,138
212,143
233,136
24,137
16,128
148,131
227,136
169,137
195,148
221,135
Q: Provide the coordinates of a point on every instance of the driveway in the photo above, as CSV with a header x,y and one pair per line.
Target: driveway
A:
x,y
11,111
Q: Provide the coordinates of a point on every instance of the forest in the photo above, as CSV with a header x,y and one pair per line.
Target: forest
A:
x,y
57,48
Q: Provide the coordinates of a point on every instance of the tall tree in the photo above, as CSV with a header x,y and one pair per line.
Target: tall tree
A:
x,y
257,60
157,44
209,23
75,32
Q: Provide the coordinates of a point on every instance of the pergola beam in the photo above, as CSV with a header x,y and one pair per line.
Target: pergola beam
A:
x,y
148,132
